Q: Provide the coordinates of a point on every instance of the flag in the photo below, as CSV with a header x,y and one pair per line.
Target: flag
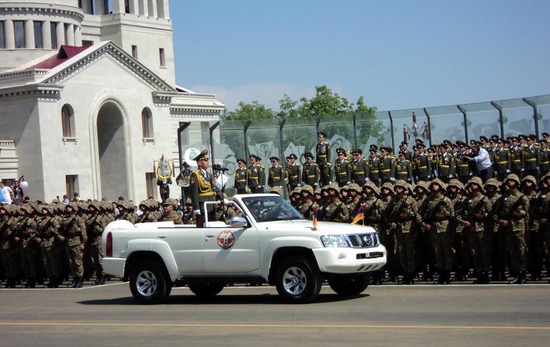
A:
x,y
359,216
315,218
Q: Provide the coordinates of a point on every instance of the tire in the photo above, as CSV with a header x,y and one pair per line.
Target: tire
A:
x,y
298,280
149,283
349,284
206,289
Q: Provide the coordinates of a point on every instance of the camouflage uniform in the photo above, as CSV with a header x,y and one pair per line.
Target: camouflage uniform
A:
x,y
8,239
511,211
73,229
95,224
403,212
475,217
29,247
48,229
437,211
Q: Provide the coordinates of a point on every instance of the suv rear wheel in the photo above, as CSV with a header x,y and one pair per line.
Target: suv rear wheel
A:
x,y
206,289
298,280
349,284
149,283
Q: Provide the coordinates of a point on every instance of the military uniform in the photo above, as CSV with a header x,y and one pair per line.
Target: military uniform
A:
x,y
256,178
48,229
403,212
477,210
511,211
403,171
502,163
8,245
275,176
423,167
359,170
323,161
387,169
342,172
95,224
374,170
241,178
437,211
532,160
517,161
311,174
446,167
29,248
293,175
73,229
544,161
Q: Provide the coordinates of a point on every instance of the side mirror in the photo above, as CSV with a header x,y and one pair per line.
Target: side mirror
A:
x,y
238,222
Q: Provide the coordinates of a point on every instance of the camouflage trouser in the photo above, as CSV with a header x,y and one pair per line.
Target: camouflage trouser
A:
x,y
441,243
498,253
389,241
51,255
517,248
479,245
9,262
29,259
75,260
546,234
94,256
405,246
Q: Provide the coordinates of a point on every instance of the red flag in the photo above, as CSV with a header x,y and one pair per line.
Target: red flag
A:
x,y
359,216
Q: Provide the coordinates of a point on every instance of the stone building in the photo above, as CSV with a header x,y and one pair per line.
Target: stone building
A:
x,y
88,98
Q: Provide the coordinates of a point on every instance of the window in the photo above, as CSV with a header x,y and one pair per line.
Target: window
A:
x,y
147,123
67,120
185,134
19,31
71,185
38,35
134,51
161,57
53,30
151,184
2,35
87,43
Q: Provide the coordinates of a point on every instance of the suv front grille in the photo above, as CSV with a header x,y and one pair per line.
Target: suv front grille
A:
x,y
363,240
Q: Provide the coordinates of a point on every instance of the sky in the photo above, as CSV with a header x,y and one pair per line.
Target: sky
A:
x,y
397,54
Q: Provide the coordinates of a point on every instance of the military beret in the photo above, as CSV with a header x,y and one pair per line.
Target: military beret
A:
x,y
202,155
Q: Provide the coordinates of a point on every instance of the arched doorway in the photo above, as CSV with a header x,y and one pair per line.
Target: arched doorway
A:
x,y
112,152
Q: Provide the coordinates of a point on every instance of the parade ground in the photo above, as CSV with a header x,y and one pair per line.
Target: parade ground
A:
x,y
387,315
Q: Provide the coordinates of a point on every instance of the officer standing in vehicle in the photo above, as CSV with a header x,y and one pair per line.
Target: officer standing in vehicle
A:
x,y
203,188
323,158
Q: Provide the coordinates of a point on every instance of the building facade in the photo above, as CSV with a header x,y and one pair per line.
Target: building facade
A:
x,y
88,98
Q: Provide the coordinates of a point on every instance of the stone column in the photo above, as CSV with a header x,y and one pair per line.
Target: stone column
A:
x,y
118,6
29,34
60,31
99,8
134,6
77,36
70,35
47,34
164,11
152,8
9,34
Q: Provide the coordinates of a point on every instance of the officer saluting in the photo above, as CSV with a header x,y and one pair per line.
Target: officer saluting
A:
x,y
203,188
240,177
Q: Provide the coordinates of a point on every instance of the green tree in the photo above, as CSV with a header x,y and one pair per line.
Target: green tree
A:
x,y
245,111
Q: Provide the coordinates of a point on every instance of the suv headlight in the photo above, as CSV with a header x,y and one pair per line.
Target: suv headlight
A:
x,y
334,241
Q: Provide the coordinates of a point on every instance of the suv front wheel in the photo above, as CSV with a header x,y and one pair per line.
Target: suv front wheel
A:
x,y
298,280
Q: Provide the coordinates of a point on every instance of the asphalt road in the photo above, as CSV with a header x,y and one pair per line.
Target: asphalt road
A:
x,y
419,315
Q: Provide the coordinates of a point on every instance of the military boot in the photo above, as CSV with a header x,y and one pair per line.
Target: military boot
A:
x,y
519,279
31,283
74,283
10,283
98,280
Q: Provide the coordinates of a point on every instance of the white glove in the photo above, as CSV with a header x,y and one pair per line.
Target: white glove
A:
x,y
392,179
197,212
225,202
507,171
450,176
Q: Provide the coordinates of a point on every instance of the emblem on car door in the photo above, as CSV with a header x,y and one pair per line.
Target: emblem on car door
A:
x,y
226,239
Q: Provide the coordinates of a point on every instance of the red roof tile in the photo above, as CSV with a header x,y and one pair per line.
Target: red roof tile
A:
x,y
65,53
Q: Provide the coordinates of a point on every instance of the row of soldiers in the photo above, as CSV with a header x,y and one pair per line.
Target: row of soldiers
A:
x,y
522,155
435,227
54,240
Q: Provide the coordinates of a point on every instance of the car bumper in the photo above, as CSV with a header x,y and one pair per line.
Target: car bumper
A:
x,y
350,260
114,266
